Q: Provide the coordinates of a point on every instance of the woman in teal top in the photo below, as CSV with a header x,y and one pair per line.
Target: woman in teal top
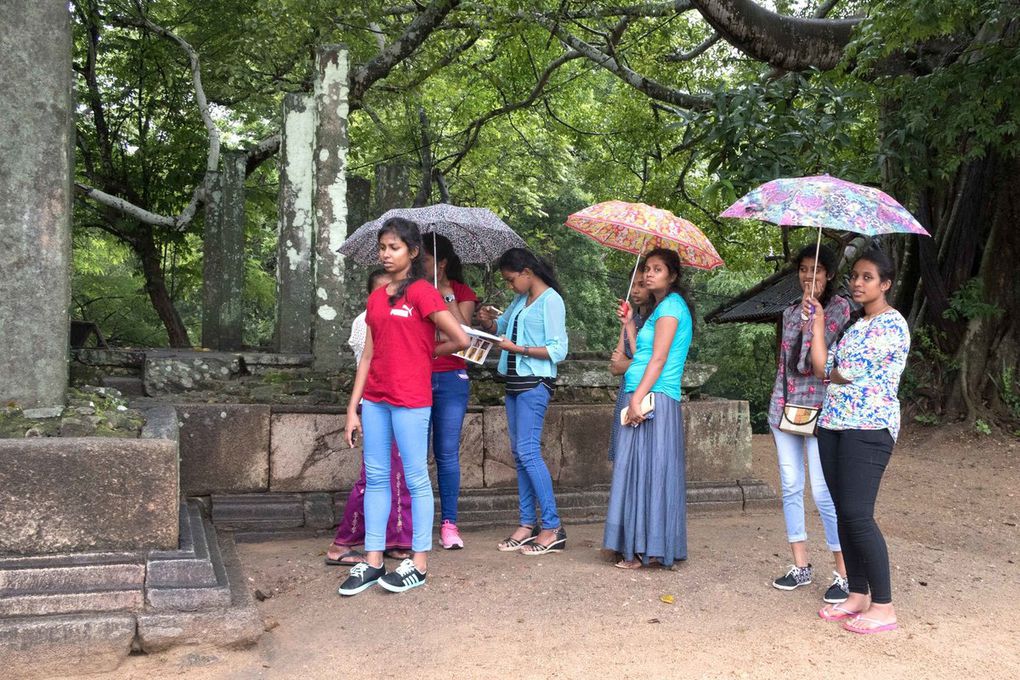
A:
x,y
534,340
647,518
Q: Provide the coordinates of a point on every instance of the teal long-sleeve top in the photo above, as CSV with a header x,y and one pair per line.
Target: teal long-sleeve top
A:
x,y
543,323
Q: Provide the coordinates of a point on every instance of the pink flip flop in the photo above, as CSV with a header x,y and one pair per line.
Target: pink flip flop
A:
x,y
836,613
881,628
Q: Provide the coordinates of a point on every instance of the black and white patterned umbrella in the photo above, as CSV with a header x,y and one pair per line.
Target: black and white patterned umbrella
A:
x,y
477,235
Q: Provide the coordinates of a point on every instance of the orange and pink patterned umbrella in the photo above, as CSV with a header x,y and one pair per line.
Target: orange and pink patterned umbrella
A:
x,y
637,228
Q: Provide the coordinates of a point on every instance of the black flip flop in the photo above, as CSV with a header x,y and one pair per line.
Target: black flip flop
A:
x,y
349,555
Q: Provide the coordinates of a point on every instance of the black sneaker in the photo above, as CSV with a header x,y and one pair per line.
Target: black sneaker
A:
x,y
362,576
839,591
795,578
404,578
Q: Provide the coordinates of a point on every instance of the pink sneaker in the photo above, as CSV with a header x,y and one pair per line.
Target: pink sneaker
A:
x,y
449,536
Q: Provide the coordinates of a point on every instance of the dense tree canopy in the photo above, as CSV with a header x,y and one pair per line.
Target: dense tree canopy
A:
x,y
536,108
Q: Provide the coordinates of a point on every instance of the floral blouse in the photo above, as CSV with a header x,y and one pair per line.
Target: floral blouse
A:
x,y
872,355
802,387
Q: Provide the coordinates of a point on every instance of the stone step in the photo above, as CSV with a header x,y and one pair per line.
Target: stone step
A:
x,y
193,578
129,387
39,604
191,564
82,644
258,511
80,572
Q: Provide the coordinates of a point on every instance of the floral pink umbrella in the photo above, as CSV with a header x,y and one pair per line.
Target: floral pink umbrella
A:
x,y
636,227
826,201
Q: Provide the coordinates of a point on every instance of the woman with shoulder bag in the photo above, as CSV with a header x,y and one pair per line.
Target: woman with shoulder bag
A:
x,y
793,416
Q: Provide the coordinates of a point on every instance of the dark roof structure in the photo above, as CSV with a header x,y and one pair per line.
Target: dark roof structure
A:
x,y
764,303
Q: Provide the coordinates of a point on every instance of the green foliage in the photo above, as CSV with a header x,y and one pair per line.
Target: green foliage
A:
x,y
968,302
981,427
1009,391
745,354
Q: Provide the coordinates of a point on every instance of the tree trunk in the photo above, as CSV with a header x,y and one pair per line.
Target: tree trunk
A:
x,y
972,220
155,285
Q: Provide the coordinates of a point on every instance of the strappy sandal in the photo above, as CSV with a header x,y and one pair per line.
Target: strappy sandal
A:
x,y
348,559
834,612
559,544
511,544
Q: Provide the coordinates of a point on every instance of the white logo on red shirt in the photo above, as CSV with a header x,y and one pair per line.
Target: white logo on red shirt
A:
x,y
403,311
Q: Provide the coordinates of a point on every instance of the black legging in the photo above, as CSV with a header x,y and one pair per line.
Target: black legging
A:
x,y
853,462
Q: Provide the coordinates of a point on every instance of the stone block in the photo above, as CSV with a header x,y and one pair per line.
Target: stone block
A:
x,y
308,452
170,372
717,440
45,646
89,494
224,448
585,445
255,512
42,604
71,573
499,466
191,564
236,624
472,452
319,512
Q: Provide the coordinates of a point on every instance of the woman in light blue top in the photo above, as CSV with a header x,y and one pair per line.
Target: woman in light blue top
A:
x,y
647,518
535,340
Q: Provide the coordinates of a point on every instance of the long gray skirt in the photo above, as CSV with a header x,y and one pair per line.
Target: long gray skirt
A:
x,y
647,513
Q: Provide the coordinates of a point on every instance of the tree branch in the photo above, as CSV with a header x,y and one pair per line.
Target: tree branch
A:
x,y
789,43
413,36
647,9
707,43
474,129
127,208
650,87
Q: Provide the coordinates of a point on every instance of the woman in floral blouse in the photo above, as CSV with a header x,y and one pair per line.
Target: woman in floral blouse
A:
x,y
857,430
796,384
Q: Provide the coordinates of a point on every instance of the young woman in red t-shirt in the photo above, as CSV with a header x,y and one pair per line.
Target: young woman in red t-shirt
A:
x,y
394,386
450,387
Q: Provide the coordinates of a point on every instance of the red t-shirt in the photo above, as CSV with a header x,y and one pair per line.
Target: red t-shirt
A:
x,y
463,293
403,341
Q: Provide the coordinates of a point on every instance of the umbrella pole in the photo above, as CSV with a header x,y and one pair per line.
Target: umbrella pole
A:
x,y
641,250
818,249
814,274
435,262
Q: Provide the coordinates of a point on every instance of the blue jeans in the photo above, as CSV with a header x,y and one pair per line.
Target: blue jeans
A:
x,y
381,423
525,416
450,391
790,448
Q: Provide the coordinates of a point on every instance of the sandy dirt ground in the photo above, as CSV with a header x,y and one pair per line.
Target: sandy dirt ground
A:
x,y
949,508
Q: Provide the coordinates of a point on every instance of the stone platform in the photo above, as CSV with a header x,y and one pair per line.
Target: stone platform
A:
x,y
87,611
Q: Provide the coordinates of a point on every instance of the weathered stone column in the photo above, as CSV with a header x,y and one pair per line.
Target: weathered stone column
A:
x,y
36,160
331,143
392,188
223,256
294,284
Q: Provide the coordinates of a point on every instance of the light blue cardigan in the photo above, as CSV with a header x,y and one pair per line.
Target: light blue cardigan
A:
x,y
543,323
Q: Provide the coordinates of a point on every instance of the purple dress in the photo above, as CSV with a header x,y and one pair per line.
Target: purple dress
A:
x,y
351,530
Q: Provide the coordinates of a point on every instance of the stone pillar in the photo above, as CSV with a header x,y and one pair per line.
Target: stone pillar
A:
x,y
392,188
223,256
294,285
330,202
36,161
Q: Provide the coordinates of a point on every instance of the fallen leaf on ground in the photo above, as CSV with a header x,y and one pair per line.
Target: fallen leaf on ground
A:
x,y
668,599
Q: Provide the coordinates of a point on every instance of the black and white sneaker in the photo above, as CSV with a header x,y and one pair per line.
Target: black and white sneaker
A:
x,y
363,576
795,578
839,591
404,578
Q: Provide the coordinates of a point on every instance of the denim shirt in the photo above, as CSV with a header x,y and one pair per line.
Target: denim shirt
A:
x,y
543,323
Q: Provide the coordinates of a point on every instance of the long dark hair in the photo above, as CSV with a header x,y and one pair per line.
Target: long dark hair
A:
x,y
672,261
827,261
406,231
519,259
443,250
